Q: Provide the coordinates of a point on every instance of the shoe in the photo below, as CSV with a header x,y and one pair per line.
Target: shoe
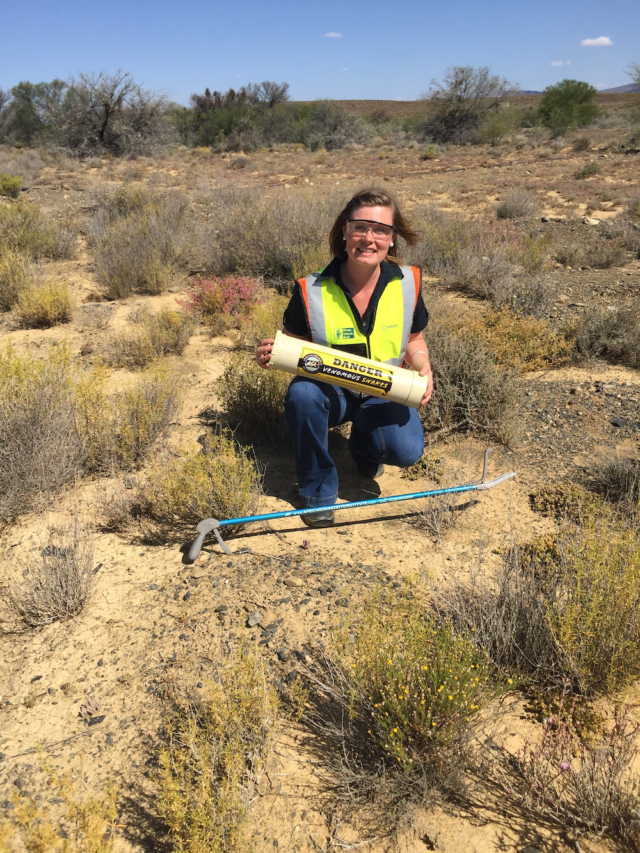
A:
x,y
371,472
319,519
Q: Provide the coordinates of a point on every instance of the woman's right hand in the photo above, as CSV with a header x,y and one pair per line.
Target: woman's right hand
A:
x,y
263,352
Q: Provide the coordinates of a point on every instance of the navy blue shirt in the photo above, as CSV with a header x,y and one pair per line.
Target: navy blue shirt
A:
x,y
295,315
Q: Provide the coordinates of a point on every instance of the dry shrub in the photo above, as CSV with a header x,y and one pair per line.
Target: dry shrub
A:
x,y
41,448
523,343
281,236
518,204
152,337
82,822
397,699
581,143
16,274
563,610
611,335
589,169
577,785
633,208
618,478
25,163
139,238
44,305
214,753
221,482
223,303
254,398
624,232
599,254
264,320
24,228
57,580
471,391
119,430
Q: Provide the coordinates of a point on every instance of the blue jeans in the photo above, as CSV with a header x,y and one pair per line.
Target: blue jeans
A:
x,y
381,432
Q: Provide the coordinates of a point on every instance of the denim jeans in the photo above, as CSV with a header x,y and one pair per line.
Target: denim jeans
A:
x,y
381,432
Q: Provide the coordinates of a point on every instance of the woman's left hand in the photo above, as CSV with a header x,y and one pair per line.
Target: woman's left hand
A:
x,y
424,369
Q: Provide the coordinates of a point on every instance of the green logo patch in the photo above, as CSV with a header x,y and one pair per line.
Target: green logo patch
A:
x,y
345,334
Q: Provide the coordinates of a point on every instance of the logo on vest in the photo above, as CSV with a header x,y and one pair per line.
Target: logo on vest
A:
x,y
311,363
345,334
394,326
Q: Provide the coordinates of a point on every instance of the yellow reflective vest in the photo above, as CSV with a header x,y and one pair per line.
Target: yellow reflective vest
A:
x,y
332,322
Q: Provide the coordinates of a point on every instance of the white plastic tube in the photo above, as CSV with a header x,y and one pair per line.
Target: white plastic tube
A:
x,y
349,371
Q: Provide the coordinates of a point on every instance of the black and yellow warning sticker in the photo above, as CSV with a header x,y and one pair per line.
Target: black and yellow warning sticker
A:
x,y
345,370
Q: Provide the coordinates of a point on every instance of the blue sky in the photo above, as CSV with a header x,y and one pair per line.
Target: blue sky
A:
x,y
325,49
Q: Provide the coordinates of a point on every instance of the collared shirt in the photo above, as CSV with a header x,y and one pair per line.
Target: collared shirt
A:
x,y
295,315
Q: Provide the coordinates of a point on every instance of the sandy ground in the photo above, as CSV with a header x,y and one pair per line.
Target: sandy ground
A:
x,y
152,621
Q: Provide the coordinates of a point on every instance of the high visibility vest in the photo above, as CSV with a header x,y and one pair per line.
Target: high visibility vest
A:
x,y
332,322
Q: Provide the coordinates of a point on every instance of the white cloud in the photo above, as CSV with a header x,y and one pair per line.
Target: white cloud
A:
x,y
333,35
557,63
601,41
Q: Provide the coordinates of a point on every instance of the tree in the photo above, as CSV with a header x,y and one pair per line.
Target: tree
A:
x,y
462,100
5,112
567,104
268,93
634,72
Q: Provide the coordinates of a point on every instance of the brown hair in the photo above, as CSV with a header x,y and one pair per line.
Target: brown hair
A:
x,y
371,197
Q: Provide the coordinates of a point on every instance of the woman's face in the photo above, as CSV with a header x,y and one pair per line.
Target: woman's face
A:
x,y
370,248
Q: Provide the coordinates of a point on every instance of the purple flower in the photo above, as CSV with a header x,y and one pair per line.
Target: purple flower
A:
x,y
565,766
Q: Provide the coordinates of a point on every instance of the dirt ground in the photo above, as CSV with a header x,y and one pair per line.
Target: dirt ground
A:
x,y
155,620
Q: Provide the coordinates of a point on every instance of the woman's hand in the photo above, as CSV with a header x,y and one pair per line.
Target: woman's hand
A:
x,y
263,352
417,355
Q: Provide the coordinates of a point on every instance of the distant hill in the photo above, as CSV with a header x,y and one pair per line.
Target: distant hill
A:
x,y
630,87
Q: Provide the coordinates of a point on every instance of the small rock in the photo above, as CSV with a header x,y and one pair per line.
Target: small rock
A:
x,y
110,740
153,586
20,783
545,219
293,581
342,602
291,677
316,612
199,685
618,422
221,608
563,298
35,678
95,721
101,662
175,288
306,544
51,690
129,483
254,619
183,637
186,596
283,655
589,221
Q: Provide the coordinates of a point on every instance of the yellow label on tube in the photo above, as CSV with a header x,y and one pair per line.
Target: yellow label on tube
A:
x,y
351,372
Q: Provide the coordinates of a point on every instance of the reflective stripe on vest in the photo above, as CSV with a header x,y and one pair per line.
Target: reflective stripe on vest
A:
x,y
332,322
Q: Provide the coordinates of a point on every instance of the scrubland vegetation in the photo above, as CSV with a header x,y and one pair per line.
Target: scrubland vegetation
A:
x,y
399,698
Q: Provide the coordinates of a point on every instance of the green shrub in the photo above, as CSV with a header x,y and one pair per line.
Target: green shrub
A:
x,y
10,186
152,337
40,446
16,275
44,305
213,753
567,104
588,170
264,320
254,398
581,143
432,152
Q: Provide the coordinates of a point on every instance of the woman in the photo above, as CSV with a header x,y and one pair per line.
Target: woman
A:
x,y
366,304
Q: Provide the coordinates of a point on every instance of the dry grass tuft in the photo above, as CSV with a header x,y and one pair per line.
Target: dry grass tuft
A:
x,y
518,204
214,753
152,337
254,398
57,580
24,228
44,305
